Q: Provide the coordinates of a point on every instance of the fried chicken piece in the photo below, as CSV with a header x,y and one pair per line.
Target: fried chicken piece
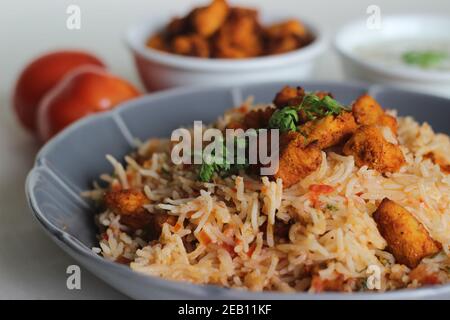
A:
x,y
191,45
237,124
367,111
239,36
369,147
323,94
289,27
330,130
178,26
285,36
296,160
389,121
129,204
258,118
157,42
207,20
289,96
407,238
439,160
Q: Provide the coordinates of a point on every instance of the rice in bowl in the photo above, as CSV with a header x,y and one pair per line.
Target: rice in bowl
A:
x,y
249,232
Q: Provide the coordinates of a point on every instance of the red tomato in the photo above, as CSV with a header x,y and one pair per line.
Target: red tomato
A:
x,y
40,76
83,91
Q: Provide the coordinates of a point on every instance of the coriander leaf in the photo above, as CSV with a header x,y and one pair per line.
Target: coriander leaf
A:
x,y
314,107
206,172
424,59
220,165
331,207
285,119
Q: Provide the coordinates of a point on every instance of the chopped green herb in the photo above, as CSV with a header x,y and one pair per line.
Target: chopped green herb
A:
x,y
315,108
424,59
219,164
331,207
312,107
206,172
285,119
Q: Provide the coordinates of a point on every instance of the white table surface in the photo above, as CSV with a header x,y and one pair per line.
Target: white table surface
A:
x,y
31,265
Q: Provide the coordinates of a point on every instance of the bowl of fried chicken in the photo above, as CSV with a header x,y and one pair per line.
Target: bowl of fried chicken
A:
x,y
223,44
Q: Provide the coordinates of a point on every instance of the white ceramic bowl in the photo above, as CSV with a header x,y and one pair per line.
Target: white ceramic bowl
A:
x,y
159,70
357,34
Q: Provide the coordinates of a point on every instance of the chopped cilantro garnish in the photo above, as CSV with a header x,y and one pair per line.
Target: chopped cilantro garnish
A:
x,y
285,119
313,107
424,59
331,207
219,164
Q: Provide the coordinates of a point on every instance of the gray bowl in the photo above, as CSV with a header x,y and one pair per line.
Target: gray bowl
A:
x,y
69,163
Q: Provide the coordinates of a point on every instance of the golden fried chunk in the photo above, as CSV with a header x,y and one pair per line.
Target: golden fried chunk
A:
x,y
285,36
407,238
389,121
178,26
288,27
323,94
367,111
239,36
296,159
330,130
289,96
129,204
258,118
369,147
157,42
191,45
207,20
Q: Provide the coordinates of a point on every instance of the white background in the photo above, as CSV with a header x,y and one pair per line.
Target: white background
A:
x,y
31,266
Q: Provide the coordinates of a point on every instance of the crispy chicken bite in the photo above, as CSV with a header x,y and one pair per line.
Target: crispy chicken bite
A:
x,y
191,45
289,96
207,20
330,130
230,32
258,118
289,27
296,160
407,238
157,42
239,36
367,111
178,26
285,36
129,204
369,147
